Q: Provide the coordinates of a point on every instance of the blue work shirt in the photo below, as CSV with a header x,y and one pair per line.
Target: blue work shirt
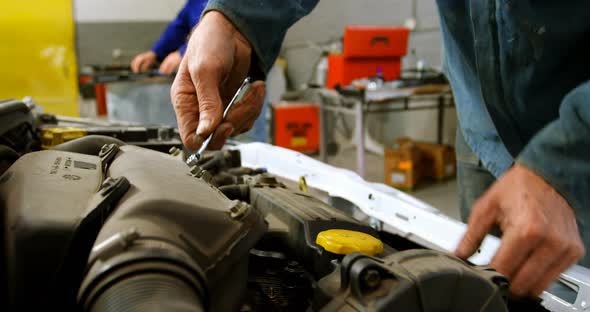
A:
x,y
175,36
520,74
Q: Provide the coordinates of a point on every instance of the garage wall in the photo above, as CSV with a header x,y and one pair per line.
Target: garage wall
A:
x,y
126,10
131,26
125,27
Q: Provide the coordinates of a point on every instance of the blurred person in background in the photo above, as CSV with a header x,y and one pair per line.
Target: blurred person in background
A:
x,y
171,46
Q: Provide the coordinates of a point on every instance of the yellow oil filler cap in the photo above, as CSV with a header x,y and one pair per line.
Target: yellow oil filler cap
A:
x,y
344,242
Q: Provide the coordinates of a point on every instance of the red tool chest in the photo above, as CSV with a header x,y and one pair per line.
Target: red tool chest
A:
x,y
342,71
368,50
375,42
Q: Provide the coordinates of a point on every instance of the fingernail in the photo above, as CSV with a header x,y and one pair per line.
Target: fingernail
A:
x,y
203,126
197,140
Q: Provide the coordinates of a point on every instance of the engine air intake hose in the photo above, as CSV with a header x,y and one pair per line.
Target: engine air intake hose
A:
x,y
89,145
149,292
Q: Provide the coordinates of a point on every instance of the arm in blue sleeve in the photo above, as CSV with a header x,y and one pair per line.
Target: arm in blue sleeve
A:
x,y
560,152
182,49
263,22
175,34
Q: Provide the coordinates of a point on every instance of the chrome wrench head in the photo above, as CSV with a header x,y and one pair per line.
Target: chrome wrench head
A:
x,y
194,158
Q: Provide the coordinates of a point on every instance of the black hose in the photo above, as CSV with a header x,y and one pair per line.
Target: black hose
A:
x,y
8,154
240,171
239,192
89,145
223,178
149,292
7,157
216,161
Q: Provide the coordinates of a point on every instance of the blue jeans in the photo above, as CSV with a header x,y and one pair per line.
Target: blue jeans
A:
x,y
473,179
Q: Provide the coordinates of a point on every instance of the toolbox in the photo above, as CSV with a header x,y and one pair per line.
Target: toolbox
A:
x,y
296,126
362,41
342,71
368,51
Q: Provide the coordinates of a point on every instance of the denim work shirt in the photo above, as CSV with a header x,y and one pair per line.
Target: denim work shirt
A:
x,y
520,74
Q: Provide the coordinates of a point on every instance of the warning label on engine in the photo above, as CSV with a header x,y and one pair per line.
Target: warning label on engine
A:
x,y
55,165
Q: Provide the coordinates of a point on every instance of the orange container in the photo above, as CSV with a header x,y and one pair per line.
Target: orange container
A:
x,y
297,126
375,41
342,71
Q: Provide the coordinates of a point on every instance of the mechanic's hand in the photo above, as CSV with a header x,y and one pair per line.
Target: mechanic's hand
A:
x,y
170,63
216,62
143,61
540,236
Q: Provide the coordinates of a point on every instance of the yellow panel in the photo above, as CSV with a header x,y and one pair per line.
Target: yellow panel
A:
x,y
51,137
37,54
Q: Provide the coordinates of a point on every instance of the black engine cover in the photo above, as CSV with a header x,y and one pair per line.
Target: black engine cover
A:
x,y
43,198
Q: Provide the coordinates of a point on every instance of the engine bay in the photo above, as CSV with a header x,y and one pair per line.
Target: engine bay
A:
x,y
136,229
96,224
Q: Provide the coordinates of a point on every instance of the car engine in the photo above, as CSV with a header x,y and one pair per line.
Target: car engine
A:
x,y
95,224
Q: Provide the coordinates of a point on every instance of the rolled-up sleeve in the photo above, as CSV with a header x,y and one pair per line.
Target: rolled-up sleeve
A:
x,y
560,152
263,22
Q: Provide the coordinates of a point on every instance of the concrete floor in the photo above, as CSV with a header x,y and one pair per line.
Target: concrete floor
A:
x,y
441,195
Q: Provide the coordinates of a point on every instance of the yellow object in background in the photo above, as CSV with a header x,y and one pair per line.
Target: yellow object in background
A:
x,y
51,137
298,141
37,54
344,242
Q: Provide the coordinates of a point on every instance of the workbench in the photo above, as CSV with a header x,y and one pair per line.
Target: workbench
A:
x,y
385,100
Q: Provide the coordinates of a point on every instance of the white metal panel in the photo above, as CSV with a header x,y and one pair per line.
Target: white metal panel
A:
x,y
402,214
